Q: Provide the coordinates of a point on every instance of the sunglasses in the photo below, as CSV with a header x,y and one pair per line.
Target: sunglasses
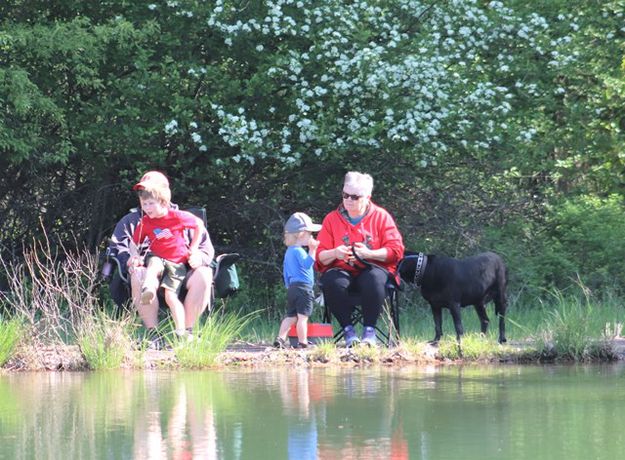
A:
x,y
353,197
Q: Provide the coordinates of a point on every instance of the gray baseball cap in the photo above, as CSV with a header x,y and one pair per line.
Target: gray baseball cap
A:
x,y
299,222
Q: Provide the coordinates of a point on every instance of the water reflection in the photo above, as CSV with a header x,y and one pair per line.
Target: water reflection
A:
x,y
436,413
183,428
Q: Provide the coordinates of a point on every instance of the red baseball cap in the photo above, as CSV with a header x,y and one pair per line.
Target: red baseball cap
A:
x,y
151,180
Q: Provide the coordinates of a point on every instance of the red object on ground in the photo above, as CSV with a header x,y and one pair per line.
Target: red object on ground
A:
x,y
317,333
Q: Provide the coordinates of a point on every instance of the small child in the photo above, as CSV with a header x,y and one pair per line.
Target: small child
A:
x,y
168,254
298,277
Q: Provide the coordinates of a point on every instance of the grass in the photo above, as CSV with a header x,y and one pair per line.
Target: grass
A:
x,y
365,354
210,339
578,328
324,352
10,335
413,347
474,347
105,342
53,300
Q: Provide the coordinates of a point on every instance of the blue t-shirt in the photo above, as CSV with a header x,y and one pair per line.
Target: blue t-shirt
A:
x,y
298,266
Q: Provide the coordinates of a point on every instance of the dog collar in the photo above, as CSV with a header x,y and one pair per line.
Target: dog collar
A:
x,y
422,261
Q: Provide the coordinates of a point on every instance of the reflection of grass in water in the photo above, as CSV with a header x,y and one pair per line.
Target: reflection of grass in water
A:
x,y
211,338
10,335
9,406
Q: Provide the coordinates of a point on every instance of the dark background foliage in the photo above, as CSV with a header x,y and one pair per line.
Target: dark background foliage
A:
x,y
524,156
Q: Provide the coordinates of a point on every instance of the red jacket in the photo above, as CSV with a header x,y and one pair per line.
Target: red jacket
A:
x,y
377,230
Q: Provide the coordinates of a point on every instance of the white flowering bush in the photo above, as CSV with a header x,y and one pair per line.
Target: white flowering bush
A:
x,y
407,76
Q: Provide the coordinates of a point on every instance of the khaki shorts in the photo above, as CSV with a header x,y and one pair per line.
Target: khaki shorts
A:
x,y
173,274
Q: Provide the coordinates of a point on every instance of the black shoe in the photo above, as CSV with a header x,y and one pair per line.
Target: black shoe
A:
x,y
305,345
280,343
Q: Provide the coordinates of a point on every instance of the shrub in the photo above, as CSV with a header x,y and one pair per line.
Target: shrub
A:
x,y
587,238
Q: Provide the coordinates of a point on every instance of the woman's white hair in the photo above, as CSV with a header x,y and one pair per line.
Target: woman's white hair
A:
x,y
359,181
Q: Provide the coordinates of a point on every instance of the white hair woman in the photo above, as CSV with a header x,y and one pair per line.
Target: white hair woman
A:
x,y
357,229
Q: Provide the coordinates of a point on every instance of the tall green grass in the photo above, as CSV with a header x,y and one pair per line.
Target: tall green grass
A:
x,y
10,334
474,346
578,328
105,342
211,338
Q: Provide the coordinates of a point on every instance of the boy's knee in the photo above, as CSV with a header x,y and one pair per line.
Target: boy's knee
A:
x,y
170,296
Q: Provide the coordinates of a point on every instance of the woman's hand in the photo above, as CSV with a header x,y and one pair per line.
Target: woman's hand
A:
x,y
365,253
362,251
343,253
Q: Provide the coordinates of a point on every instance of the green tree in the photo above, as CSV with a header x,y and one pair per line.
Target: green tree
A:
x,y
476,118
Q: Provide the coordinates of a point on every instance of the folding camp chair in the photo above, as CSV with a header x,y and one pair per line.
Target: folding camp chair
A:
x,y
115,272
225,278
387,327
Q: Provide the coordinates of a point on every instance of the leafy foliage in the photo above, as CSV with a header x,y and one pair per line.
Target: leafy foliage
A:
x,y
486,124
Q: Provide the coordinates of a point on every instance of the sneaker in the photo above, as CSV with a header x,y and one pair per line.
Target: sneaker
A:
x,y
368,337
156,343
351,338
305,345
184,336
147,296
190,337
280,343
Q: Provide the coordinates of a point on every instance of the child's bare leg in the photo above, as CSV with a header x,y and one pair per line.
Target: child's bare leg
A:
x,y
153,274
302,328
177,310
285,325
148,311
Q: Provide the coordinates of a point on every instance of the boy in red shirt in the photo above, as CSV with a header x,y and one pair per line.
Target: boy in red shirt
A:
x,y
162,229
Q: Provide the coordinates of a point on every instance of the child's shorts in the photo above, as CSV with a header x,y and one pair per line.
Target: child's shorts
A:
x,y
173,273
299,299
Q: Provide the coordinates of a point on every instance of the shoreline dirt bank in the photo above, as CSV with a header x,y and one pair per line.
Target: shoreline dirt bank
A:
x,y
69,357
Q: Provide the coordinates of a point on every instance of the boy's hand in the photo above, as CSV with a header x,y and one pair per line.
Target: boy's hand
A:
x,y
135,261
313,244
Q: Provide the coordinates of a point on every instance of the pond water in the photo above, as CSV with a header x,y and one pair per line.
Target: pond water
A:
x,y
503,412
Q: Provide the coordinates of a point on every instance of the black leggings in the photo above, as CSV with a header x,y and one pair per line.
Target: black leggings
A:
x,y
339,287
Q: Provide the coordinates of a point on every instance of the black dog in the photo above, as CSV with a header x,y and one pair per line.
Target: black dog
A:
x,y
453,283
